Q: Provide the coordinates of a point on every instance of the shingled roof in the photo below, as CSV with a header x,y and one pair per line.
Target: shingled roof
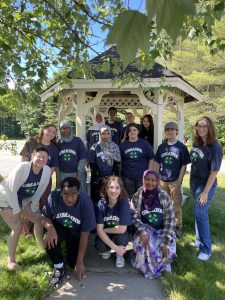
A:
x,y
156,71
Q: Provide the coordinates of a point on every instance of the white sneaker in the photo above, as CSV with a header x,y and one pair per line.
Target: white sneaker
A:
x,y
120,261
106,255
203,256
195,244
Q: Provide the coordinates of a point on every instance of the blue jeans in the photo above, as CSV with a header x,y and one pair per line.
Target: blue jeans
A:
x,y
201,216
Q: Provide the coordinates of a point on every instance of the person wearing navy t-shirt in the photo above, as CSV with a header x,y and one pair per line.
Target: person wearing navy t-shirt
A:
x,y
72,155
115,126
136,156
92,135
67,216
172,158
206,157
129,118
113,215
20,194
104,159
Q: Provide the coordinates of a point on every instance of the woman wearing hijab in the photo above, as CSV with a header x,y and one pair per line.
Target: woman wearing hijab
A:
x,y
104,157
72,155
93,132
153,222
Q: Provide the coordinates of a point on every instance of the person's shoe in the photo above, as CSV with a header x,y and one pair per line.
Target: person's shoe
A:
x,y
12,266
203,256
120,261
106,255
56,276
195,244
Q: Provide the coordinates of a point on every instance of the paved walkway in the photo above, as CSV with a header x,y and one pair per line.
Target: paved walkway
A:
x,y
104,281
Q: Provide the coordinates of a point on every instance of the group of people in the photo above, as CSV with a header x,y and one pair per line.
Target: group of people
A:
x,y
135,194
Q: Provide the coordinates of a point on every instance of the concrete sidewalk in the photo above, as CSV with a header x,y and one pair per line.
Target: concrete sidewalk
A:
x,y
104,281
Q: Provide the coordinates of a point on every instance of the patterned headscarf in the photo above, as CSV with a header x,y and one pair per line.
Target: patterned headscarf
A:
x,y
150,197
110,149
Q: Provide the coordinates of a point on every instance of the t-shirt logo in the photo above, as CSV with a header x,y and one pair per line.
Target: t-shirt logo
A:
x,y
110,223
133,155
31,190
153,218
68,223
194,156
66,157
168,160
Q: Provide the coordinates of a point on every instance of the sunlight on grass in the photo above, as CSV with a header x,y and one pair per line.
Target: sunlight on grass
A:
x,y
193,279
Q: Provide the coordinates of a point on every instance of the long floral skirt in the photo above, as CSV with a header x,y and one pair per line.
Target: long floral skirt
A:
x,y
149,260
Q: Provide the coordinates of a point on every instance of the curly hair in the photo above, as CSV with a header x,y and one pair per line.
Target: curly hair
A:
x,y
106,184
211,136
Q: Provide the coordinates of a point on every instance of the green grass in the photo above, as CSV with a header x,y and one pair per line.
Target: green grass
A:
x,y
31,281
193,279
190,280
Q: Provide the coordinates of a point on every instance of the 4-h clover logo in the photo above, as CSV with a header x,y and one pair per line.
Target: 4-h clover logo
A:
x,y
66,157
133,155
68,223
110,223
153,218
31,190
168,160
194,156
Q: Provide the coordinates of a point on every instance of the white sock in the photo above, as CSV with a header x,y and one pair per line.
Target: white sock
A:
x,y
58,266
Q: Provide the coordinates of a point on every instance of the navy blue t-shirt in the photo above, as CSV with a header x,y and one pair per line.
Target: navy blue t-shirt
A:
x,y
116,131
96,156
78,218
119,214
154,217
92,137
70,154
171,158
205,159
135,157
53,160
29,187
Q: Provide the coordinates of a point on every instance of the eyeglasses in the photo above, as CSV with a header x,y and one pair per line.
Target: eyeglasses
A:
x,y
201,126
42,157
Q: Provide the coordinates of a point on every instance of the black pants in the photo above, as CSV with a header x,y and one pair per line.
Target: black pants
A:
x,y
96,185
72,246
119,239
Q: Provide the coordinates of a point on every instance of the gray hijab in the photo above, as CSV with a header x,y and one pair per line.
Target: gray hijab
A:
x,y
67,124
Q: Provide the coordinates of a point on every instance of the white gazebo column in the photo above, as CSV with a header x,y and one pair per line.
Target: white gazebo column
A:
x,y
81,115
180,119
158,121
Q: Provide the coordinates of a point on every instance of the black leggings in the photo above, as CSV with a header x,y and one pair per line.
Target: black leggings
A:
x,y
72,246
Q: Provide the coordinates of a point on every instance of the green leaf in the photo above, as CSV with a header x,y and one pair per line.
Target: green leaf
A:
x,y
170,14
3,91
130,32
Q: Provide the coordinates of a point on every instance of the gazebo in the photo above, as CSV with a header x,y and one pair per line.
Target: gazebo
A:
x,y
89,96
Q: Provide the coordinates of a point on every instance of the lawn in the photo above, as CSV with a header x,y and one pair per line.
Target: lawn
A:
x,y
191,279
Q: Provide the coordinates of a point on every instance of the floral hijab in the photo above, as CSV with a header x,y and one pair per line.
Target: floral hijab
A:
x,y
110,149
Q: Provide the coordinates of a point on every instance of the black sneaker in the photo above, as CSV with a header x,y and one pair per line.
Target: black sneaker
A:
x,y
56,276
